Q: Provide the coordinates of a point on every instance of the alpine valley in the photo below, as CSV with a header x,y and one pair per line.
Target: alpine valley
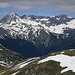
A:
x,y
37,45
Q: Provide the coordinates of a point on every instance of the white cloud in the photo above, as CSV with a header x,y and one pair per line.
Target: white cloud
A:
x,y
65,5
4,5
67,8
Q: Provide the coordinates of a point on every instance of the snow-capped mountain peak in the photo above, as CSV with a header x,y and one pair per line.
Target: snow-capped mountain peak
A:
x,y
54,24
12,17
12,13
25,24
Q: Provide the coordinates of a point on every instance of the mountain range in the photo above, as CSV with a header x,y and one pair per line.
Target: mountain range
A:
x,y
37,35
37,45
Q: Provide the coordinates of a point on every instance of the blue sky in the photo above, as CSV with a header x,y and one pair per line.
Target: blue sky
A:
x,y
37,7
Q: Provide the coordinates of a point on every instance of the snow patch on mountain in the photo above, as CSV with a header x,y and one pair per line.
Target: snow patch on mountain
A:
x,y
1,49
65,61
15,73
71,49
58,18
44,19
60,28
2,63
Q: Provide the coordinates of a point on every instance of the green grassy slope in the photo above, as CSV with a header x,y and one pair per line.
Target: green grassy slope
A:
x,y
47,68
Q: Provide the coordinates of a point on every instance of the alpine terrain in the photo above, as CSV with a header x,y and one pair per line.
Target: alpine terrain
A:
x,y
57,63
37,45
37,35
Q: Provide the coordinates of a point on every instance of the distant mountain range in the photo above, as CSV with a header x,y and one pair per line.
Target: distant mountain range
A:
x,y
37,35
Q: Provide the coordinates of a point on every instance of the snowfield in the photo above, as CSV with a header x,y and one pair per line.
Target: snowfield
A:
x,y
65,61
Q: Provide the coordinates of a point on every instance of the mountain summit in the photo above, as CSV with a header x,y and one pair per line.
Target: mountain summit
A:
x,y
12,17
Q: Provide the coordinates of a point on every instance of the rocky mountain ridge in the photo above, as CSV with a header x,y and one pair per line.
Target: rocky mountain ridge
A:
x,y
8,57
37,35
